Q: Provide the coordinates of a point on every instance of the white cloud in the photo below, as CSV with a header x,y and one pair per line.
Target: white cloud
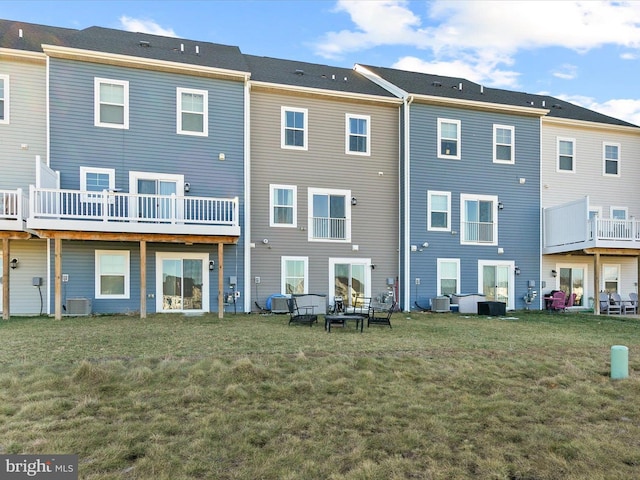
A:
x,y
622,108
145,26
566,72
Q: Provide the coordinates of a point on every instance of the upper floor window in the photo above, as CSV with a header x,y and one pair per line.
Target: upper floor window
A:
x,y
448,275
611,159
618,213
566,155
283,206
479,222
439,211
358,135
112,274
192,115
111,108
294,128
503,144
449,139
329,215
4,98
295,274
96,180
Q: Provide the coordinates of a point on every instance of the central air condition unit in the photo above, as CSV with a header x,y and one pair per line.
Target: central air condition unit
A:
x,y
279,305
440,304
78,306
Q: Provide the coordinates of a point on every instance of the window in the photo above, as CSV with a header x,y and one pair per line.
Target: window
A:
x,y
503,144
611,159
4,99
283,206
111,107
572,280
192,115
449,139
96,180
294,128
112,274
566,155
618,213
358,135
448,271
182,282
439,211
295,274
479,223
610,276
329,215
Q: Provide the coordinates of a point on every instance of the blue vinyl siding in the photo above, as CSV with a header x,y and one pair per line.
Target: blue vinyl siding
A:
x,y
475,173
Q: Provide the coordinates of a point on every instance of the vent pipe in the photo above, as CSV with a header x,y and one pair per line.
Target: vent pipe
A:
x,y
20,32
182,48
481,89
197,50
460,86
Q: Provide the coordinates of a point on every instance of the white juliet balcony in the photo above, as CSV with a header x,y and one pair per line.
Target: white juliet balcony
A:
x,y
14,208
107,211
567,228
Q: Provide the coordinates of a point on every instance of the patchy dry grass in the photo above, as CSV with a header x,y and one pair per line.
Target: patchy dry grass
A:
x,y
437,397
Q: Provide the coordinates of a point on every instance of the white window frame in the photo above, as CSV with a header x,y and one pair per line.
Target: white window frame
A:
x,y
347,206
440,261
463,218
7,100
180,255
604,279
351,261
127,273
349,134
96,107
83,183
430,194
613,208
283,128
204,113
573,156
283,279
511,145
605,159
272,206
458,139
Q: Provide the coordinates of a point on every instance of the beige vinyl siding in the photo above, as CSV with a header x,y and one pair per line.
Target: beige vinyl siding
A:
x,y
32,262
373,180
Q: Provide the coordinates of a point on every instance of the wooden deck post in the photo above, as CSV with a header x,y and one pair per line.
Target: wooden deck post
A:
x,y
5,279
220,280
143,279
596,283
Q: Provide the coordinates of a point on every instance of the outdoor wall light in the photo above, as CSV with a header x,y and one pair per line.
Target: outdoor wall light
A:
x,y
554,273
354,201
211,265
425,244
517,270
14,263
187,187
500,206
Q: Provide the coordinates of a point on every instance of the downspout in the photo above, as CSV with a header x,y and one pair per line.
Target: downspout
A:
x,y
48,140
406,215
247,196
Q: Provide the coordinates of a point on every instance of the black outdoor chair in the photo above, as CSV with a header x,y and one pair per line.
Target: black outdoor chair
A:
x,y
296,317
381,316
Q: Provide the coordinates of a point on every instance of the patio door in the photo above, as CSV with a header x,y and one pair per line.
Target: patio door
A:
x,y
349,279
495,281
181,283
155,202
1,283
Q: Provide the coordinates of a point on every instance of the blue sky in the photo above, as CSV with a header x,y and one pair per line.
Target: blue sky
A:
x,y
584,52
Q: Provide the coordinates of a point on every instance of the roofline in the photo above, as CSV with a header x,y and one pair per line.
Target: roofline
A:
x,y
586,124
25,54
326,93
140,62
378,80
478,105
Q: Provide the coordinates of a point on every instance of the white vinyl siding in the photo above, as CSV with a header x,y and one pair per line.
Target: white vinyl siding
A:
x,y
111,103
192,112
566,155
358,134
503,144
439,211
449,139
4,99
294,123
112,274
283,206
611,159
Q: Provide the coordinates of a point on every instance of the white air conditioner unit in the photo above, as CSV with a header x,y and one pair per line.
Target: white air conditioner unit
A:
x,y
440,304
78,306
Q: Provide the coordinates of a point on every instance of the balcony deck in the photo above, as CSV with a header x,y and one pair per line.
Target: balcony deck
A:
x,y
14,207
107,211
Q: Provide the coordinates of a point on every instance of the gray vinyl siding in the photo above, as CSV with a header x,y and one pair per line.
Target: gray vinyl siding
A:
x,y
475,173
27,123
375,222
32,262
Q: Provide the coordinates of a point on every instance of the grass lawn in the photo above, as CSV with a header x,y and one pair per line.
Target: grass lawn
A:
x,y
439,396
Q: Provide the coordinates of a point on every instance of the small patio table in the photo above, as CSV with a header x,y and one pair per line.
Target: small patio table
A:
x,y
343,319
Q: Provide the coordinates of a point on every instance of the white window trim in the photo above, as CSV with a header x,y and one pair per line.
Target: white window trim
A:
x,y
603,280
7,100
347,202
596,210
204,257
127,274
624,209
83,182
283,127
272,222
512,145
512,277
604,158
429,211
351,261
169,177
205,112
283,283
489,198
348,132
96,106
438,273
573,163
458,139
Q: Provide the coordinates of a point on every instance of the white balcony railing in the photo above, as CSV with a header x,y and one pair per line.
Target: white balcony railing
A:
x,y
329,228
14,206
50,208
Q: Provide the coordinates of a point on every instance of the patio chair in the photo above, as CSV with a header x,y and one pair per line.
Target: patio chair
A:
x,y
383,316
632,304
558,302
262,310
296,317
616,305
571,300
605,304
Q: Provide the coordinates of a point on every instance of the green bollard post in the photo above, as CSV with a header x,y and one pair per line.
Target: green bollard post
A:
x,y
619,362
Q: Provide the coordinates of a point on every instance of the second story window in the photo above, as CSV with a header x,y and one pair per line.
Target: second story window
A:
x,y
111,103
4,98
503,144
611,159
479,222
283,206
329,215
358,137
449,139
438,211
294,128
192,112
566,155
96,180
